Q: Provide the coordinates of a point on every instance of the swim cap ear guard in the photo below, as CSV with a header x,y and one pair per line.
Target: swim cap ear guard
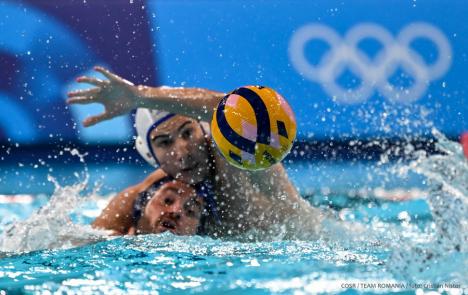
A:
x,y
205,126
146,121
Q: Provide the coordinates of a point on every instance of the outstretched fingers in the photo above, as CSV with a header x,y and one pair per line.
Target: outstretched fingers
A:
x,y
86,92
90,121
92,81
84,96
108,74
80,100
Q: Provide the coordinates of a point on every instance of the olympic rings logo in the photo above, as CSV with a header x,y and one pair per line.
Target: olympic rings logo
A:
x,y
374,73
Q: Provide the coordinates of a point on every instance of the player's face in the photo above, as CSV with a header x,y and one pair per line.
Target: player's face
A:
x,y
181,149
174,207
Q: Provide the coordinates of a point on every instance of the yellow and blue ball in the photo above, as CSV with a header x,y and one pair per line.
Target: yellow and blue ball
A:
x,y
253,127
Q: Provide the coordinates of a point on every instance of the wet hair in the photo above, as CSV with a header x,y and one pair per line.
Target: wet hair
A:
x,y
143,198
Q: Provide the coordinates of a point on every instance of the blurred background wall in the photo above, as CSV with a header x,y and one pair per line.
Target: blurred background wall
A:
x,y
350,69
361,76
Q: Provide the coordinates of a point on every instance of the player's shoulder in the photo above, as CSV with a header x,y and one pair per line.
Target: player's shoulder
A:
x,y
149,180
134,190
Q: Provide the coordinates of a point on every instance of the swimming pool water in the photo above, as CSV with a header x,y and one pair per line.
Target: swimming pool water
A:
x,y
167,263
408,246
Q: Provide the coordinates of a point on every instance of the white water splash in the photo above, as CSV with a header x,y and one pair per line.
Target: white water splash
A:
x,y
51,226
443,255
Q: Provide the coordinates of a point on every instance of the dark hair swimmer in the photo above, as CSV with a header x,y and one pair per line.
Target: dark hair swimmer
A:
x,y
168,205
126,213
178,145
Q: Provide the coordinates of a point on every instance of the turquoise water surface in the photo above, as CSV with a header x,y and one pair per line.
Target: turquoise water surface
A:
x,y
407,246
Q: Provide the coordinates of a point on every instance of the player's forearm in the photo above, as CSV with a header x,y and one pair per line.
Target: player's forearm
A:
x,y
197,103
109,220
274,182
117,215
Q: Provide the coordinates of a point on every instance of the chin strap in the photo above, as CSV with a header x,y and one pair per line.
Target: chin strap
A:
x,y
148,135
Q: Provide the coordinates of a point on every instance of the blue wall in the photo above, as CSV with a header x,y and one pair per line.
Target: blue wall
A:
x,y
313,51
45,45
349,68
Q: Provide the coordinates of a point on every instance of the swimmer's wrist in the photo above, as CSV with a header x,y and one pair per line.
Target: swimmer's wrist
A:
x,y
162,97
143,96
193,102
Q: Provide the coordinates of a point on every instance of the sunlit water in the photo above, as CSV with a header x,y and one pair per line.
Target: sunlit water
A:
x,y
406,246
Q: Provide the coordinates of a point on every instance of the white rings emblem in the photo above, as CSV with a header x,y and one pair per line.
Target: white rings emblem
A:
x,y
374,73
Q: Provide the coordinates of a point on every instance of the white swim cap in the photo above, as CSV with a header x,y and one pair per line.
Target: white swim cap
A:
x,y
145,121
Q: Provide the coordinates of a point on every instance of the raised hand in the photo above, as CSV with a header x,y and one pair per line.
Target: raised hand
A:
x,y
117,95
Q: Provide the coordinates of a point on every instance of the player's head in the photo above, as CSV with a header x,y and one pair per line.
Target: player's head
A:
x,y
169,205
175,143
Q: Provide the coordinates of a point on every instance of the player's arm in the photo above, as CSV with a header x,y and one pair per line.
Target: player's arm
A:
x,y
118,214
273,182
120,96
